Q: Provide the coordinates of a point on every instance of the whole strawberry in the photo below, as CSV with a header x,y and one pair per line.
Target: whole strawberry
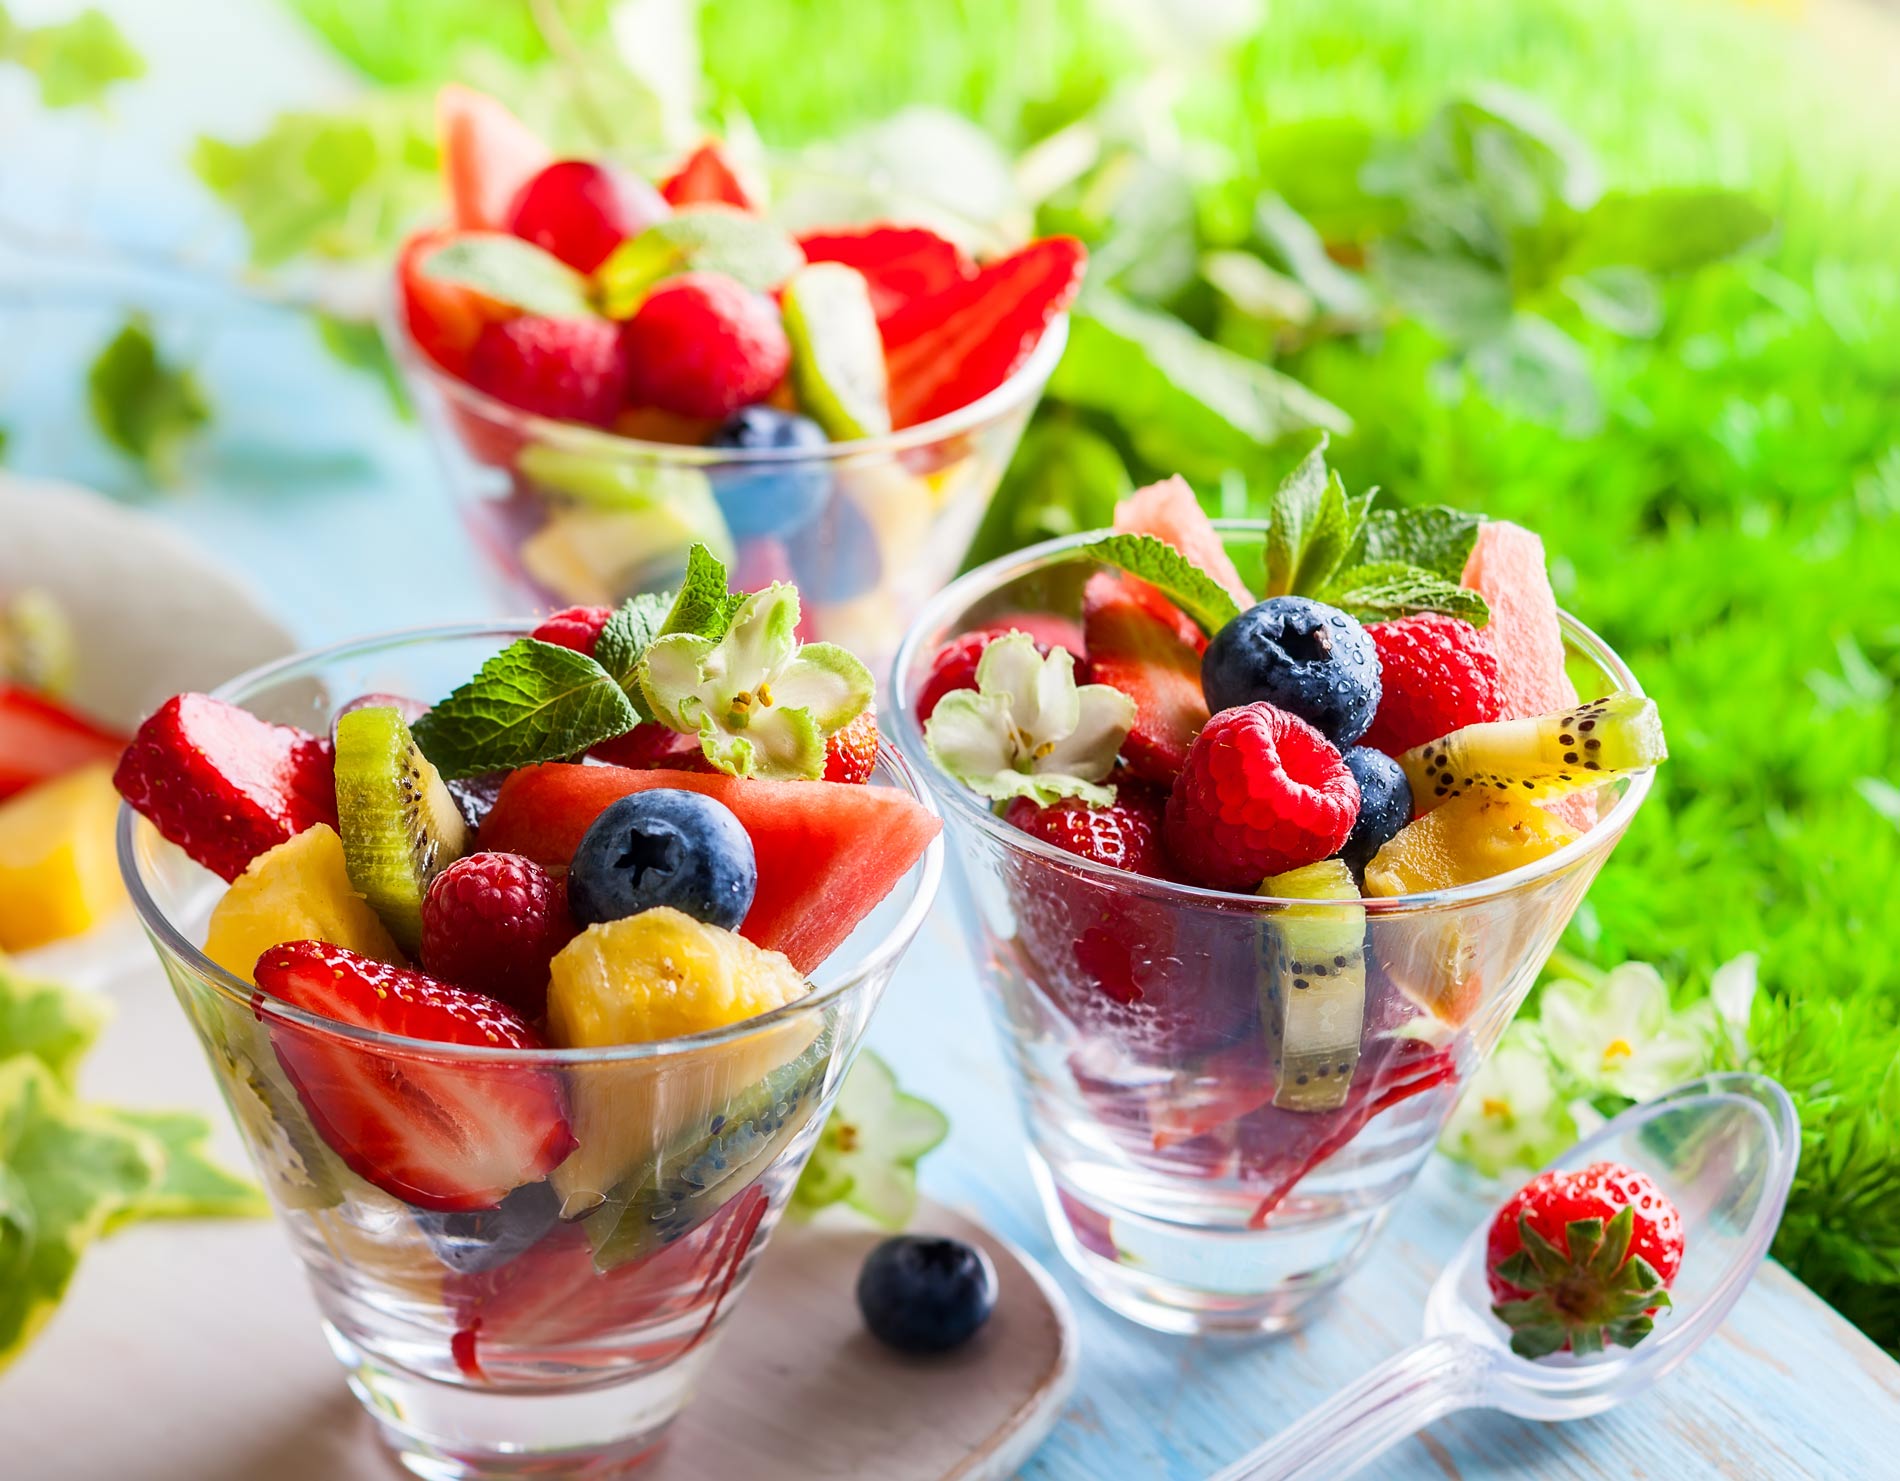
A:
x,y
569,369
491,923
1436,674
1580,1259
1126,834
578,628
851,752
954,666
1261,792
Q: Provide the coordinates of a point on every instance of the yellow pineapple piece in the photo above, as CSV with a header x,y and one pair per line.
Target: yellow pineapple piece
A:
x,y
59,866
660,975
298,891
1468,839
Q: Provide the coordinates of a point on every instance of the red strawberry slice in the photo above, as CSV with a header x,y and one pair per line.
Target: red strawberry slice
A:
x,y
648,746
946,350
707,178
41,739
432,1132
443,318
487,156
899,263
224,785
1143,645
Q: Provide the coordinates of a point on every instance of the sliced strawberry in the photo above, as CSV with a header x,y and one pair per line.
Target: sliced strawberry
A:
x,y
1143,645
851,753
899,263
444,319
707,177
487,156
434,1133
648,746
41,739
946,350
224,785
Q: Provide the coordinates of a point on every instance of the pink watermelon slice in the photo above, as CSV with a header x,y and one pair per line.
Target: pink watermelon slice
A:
x,y
1169,511
1506,567
827,852
487,156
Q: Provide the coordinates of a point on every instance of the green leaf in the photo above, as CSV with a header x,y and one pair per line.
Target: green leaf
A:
x,y
531,702
704,607
1171,573
1376,593
867,1155
1189,404
714,239
1299,247
1540,372
343,185
1624,300
55,1025
511,270
1065,479
190,1185
1313,524
623,642
73,61
1667,231
1435,537
359,344
1464,298
146,408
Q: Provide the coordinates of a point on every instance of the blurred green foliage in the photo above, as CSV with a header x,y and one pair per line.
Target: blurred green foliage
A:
x,y
1323,214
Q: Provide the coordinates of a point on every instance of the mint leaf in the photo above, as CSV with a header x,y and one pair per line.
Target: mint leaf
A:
x,y
513,271
704,606
629,632
54,1024
1171,573
1387,589
1666,231
531,702
73,61
1313,525
1435,537
192,1185
148,409
716,239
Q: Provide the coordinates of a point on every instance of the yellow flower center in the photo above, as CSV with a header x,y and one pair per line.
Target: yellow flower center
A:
x,y
1617,1049
1492,1106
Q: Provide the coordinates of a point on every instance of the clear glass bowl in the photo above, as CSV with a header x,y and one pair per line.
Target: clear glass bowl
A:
x,y
564,514
557,1335
1193,1186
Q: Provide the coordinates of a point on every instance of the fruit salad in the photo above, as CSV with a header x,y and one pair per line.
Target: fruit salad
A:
x,y
516,1002
1295,815
718,374
59,874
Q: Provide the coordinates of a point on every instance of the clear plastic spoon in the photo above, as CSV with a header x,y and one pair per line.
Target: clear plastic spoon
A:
x,y
1723,1147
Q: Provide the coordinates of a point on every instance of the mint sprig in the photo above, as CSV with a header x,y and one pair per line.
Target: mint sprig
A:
x,y
514,271
531,702
1171,573
1376,564
704,606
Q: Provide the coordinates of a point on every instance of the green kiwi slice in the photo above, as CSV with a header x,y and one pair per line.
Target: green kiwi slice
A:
x,y
1540,756
400,823
709,1163
1313,998
837,354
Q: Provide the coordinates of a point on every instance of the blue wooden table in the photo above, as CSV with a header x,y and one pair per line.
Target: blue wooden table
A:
x,y
310,482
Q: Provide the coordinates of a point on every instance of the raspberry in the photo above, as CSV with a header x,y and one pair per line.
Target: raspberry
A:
x,y
703,345
954,667
573,627
1262,792
570,369
1437,674
1124,835
851,752
491,923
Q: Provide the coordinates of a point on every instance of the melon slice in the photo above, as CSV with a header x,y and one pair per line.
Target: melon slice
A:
x,y
827,852
1506,567
487,156
1169,511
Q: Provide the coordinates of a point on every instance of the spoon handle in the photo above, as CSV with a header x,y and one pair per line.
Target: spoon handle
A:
x,y
1396,1399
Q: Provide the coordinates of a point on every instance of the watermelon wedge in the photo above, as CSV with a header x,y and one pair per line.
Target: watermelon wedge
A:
x,y
41,739
487,156
1506,566
828,852
1169,511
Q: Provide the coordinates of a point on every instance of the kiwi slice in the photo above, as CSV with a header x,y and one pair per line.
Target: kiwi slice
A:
x,y
1313,998
400,824
711,1162
1541,756
837,353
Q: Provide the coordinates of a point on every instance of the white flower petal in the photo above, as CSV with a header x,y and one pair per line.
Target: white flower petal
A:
x,y
1010,669
1104,716
780,745
828,681
671,678
762,638
968,735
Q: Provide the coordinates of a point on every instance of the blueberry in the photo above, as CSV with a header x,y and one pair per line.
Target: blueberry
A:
x,y
1385,805
486,1239
771,496
922,1295
1300,656
836,557
664,847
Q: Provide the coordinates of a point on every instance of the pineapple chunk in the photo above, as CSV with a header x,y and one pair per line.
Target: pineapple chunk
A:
x,y
298,891
59,868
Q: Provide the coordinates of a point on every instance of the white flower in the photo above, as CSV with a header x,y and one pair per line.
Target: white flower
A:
x,y
1618,1035
1510,1116
1027,729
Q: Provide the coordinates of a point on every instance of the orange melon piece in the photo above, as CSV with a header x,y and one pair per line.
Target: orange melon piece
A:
x,y
487,156
1169,511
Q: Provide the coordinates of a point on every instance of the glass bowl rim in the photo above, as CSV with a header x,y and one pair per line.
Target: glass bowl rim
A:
x,y
973,586
170,940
